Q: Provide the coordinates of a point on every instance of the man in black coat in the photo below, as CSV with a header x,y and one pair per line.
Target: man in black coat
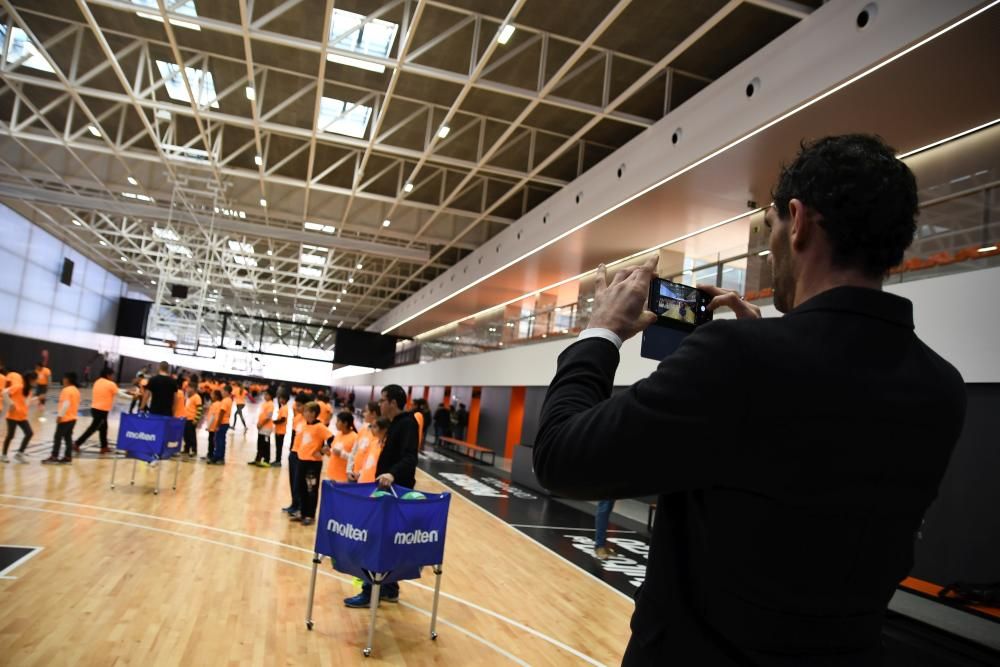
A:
x,y
794,457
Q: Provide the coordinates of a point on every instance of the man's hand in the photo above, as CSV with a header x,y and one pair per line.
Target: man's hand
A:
x,y
621,306
732,300
352,477
385,480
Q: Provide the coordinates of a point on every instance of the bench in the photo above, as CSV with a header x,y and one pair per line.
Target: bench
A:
x,y
471,450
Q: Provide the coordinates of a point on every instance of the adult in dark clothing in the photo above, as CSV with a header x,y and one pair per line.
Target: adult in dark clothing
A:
x,y
397,464
442,423
161,391
774,543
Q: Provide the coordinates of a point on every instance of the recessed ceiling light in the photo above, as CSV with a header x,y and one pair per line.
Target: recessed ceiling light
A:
x,y
334,308
276,299
350,280
343,291
386,222
338,299
263,203
257,160
408,187
360,266
505,33
199,269
132,181
93,130
443,131
251,93
124,259
152,282
104,243
270,252
80,224
140,272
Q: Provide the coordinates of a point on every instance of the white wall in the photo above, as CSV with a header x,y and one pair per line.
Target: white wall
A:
x,y
35,304
956,315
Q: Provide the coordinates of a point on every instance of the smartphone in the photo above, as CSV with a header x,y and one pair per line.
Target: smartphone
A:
x,y
679,309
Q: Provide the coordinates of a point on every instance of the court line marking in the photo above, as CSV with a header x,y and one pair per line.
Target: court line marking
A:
x,y
591,530
279,559
473,605
527,537
23,559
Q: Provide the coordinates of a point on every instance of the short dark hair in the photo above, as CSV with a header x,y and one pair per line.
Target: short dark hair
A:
x,y
71,376
373,408
866,198
164,367
395,394
382,424
107,371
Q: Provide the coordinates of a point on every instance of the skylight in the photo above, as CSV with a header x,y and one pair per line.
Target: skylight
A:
x,y
319,227
166,234
241,246
343,117
185,8
245,261
350,32
179,249
135,195
21,47
310,272
201,82
231,212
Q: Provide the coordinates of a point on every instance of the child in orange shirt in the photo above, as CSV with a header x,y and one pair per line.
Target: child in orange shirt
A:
x,y
265,424
280,428
365,460
212,422
192,413
44,375
69,403
298,421
222,427
343,445
309,442
17,393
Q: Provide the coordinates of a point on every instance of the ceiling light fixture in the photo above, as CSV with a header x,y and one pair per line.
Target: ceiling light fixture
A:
x,y
764,253
80,224
257,160
263,203
132,181
251,93
359,266
104,243
350,280
443,131
987,248
152,282
124,258
94,131
140,272
163,114
408,187
386,222
505,33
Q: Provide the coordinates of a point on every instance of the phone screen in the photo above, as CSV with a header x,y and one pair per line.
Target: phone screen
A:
x,y
678,304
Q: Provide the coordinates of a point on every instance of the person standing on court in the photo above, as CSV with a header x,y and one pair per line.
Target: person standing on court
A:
x,y
777,541
397,464
192,415
222,426
442,423
102,399
265,424
44,375
240,400
462,416
69,403
160,392
18,393
298,423
280,427
310,444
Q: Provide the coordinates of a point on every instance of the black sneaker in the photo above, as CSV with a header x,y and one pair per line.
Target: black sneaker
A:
x,y
49,460
275,464
386,595
307,521
65,459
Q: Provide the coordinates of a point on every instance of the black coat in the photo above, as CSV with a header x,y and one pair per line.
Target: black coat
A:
x,y
794,459
399,455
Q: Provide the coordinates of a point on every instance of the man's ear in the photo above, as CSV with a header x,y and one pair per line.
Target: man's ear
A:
x,y
803,224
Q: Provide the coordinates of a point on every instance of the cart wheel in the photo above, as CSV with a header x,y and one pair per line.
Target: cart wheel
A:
x,y
367,652
309,625
434,636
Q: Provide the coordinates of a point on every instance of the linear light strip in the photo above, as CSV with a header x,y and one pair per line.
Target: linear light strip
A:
x,y
953,137
428,334
697,163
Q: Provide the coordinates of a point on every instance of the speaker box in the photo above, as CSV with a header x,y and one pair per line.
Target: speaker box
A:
x,y
67,272
179,291
132,317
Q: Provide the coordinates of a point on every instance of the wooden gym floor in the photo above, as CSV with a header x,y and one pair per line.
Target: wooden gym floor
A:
x,y
213,573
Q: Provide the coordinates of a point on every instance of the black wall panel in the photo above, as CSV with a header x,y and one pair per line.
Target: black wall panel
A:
x,y
21,354
533,398
494,408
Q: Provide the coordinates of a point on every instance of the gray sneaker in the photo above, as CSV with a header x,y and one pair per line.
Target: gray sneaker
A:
x,y
19,457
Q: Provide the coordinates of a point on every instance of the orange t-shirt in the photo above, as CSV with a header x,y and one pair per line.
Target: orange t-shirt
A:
x,y
179,404
240,395
212,421
222,416
309,439
336,469
191,407
298,423
366,453
3,381
325,412
15,390
104,395
264,417
44,375
70,398
280,429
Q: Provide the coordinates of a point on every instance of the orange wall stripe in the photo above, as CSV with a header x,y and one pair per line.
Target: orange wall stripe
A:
x,y
447,397
927,588
473,430
515,420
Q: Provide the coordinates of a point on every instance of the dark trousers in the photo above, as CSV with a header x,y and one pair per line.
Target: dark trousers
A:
x,y
99,423
190,438
307,474
293,469
219,449
389,590
64,433
263,447
279,441
131,406
239,413
12,426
